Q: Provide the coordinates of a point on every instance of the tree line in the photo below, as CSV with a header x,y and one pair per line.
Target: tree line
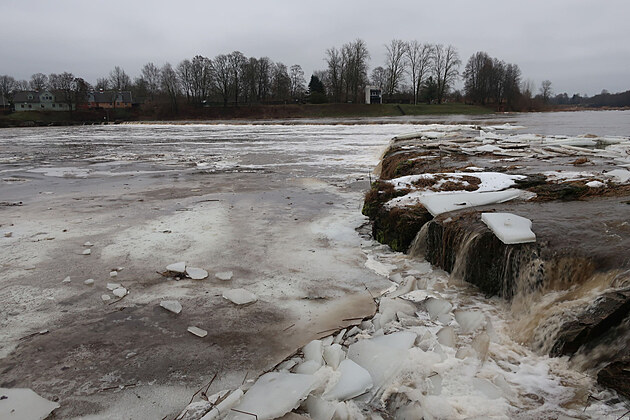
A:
x,y
412,72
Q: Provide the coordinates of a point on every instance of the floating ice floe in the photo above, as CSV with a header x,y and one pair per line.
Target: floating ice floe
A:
x,y
197,331
171,305
89,282
24,404
88,244
66,280
106,298
240,296
620,176
178,267
273,395
87,251
113,273
8,234
120,292
113,286
196,273
224,275
510,228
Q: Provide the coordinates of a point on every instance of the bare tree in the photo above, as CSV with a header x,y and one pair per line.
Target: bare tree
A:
x,y
7,86
355,55
65,87
419,58
201,73
395,65
378,77
170,84
22,85
237,63
38,81
119,79
335,73
102,83
545,90
280,82
185,76
222,77
445,68
151,75
298,83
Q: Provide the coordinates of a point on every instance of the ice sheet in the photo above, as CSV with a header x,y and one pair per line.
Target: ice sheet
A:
x,y
510,228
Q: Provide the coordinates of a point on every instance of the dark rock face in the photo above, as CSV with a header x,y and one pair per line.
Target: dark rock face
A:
x,y
608,311
398,227
617,376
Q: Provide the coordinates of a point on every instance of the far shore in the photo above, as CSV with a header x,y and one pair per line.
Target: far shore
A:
x,y
291,113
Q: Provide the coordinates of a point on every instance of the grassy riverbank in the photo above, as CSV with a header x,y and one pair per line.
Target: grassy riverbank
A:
x,y
256,112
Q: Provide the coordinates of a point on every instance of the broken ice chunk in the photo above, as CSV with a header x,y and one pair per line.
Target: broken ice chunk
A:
x,y
440,203
178,267
87,251
240,296
595,184
197,331
66,280
381,361
88,244
196,273
113,273
401,340
620,176
437,307
113,286
486,387
353,382
481,344
171,305
24,403
469,321
8,234
228,400
273,395
320,409
119,292
509,228
89,282
313,351
333,355
106,298
224,275
309,367
446,336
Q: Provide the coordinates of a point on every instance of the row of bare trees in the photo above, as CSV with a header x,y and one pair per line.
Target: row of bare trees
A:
x,y
411,66
489,80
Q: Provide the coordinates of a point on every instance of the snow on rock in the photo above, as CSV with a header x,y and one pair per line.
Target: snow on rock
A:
x,y
439,203
24,404
196,273
197,331
595,184
509,228
240,296
178,267
354,381
120,292
171,305
224,275
273,395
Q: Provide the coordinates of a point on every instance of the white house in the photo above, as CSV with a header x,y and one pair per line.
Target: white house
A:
x,y
373,95
46,100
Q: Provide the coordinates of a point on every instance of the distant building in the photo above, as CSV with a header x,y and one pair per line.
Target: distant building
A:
x,y
373,95
31,100
109,100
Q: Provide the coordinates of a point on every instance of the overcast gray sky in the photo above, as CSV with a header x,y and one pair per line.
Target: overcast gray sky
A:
x,y
581,46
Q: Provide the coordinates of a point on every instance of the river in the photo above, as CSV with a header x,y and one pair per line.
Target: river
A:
x,y
276,204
